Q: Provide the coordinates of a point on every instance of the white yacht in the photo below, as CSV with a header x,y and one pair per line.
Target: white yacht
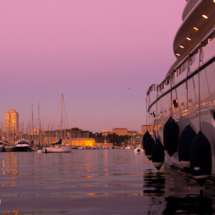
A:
x,y
187,92
22,145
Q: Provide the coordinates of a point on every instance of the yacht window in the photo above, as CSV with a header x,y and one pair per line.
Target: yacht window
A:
x,y
179,70
175,103
204,43
185,65
193,58
167,81
212,36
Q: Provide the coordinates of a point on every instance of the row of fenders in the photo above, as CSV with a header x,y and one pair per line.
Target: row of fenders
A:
x,y
194,150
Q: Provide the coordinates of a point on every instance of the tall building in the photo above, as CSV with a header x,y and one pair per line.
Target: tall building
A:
x,y
12,122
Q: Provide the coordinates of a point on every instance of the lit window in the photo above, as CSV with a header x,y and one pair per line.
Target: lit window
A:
x,y
177,54
188,38
181,46
195,28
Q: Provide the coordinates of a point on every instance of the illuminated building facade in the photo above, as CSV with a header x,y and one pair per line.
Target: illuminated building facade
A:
x,y
132,133
12,122
106,132
148,128
120,131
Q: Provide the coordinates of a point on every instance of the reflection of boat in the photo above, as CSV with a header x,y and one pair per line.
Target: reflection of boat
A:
x,y
187,93
1,146
22,145
188,205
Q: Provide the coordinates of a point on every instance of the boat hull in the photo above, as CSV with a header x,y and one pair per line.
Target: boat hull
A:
x,y
56,150
186,111
9,148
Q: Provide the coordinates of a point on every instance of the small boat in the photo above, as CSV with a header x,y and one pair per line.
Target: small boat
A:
x,y
9,148
138,150
1,146
94,147
57,148
127,147
22,146
39,150
74,147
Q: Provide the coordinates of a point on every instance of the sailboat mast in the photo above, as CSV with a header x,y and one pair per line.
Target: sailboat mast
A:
x,y
61,116
39,123
32,124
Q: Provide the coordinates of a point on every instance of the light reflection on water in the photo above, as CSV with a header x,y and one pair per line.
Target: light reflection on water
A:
x,y
95,182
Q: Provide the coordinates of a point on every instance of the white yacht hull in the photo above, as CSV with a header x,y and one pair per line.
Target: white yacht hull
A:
x,y
56,149
188,112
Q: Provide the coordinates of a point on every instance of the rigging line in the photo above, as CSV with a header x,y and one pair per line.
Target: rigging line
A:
x,y
66,114
157,112
171,96
146,111
188,71
206,78
200,56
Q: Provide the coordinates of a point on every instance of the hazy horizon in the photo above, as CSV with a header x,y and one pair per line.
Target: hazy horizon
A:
x,y
102,55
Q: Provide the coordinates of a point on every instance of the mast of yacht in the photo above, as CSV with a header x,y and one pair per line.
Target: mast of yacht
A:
x,y
61,117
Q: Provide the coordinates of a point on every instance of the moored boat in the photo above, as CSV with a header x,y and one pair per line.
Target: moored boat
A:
x,y
9,148
186,95
22,145
57,148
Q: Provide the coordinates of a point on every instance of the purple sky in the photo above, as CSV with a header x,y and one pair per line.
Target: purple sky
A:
x,y
92,51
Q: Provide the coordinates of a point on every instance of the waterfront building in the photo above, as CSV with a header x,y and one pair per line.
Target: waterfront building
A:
x,y
148,128
11,122
133,133
120,131
106,132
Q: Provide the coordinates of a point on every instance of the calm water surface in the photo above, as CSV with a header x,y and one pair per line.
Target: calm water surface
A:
x,y
97,182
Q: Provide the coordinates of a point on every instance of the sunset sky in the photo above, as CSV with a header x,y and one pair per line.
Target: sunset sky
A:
x,y
92,51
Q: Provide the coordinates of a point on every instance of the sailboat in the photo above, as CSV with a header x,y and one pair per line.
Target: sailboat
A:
x,y
57,147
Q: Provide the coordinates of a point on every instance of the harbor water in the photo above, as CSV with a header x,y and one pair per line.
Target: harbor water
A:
x,y
97,182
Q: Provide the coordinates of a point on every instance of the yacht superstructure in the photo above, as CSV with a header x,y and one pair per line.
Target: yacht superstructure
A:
x,y
187,93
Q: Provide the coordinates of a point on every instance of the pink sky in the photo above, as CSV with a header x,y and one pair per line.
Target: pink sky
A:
x,y
92,51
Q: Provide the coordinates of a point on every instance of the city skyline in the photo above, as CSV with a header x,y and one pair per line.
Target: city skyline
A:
x,y
102,55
